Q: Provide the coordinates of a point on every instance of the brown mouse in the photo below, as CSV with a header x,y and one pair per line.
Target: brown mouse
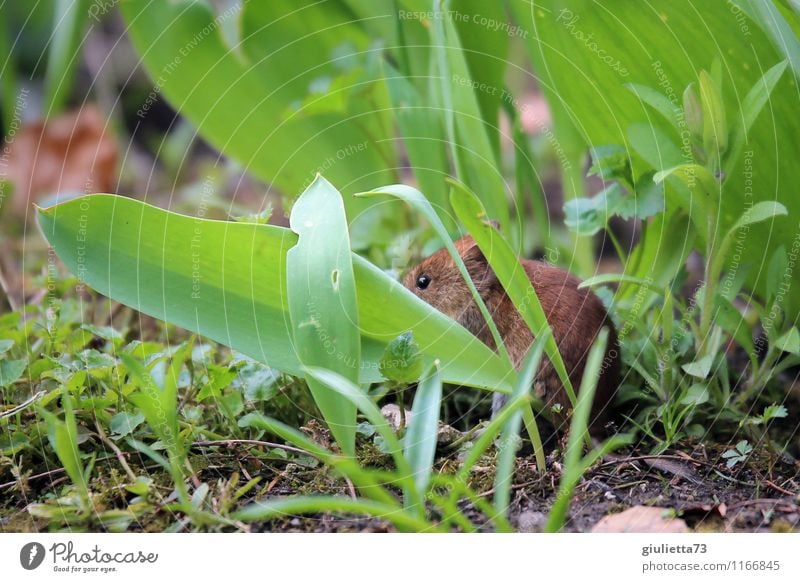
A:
x,y
575,315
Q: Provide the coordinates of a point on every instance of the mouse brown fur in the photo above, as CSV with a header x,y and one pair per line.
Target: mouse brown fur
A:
x,y
575,316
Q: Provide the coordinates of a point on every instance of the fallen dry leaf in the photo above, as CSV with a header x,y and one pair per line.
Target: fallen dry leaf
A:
x,y
673,467
640,519
72,152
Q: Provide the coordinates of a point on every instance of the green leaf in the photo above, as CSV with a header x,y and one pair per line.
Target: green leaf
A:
x,y
653,145
467,130
402,360
669,110
572,74
611,162
617,278
751,107
11,371
715,125
227,281
323,306
774,411
779,31
64,52
5,345
776,272
759,212
509,437
693,111
420,126
699,368
124,423
789,342
696,395
63,435
587,216
238,98
419,442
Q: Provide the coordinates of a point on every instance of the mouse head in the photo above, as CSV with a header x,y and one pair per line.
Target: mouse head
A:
x,y
437,281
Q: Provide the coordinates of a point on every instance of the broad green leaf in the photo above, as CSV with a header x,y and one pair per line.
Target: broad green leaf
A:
x,y
776,27
420,125
419,442
323,306
227,281
484,34
238,99
509,272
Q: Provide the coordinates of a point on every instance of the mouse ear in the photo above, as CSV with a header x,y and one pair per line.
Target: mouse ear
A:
x,y
477,266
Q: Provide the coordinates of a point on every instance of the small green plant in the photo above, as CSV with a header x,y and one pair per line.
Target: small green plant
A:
x,y
677,346
738,454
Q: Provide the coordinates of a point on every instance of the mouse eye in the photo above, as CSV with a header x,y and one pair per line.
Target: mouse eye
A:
x,y
423,281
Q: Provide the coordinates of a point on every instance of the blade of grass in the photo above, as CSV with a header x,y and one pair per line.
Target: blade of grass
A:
x,y
419,442
263,510
63,436
508,438
343,387
367,483
578,433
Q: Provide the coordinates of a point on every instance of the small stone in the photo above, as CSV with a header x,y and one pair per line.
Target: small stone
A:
x,y
531,522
